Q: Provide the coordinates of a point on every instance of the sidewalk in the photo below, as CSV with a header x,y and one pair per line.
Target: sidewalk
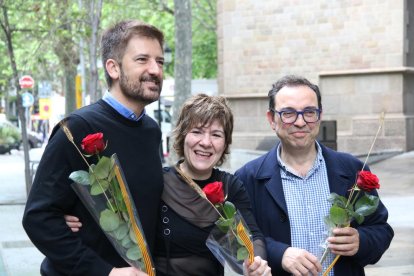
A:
x,y
397,193
18,257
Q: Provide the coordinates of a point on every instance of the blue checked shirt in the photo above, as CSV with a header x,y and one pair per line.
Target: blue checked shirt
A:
x,y
307,204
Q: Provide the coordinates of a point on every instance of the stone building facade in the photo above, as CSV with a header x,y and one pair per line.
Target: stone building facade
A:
x,y
360,53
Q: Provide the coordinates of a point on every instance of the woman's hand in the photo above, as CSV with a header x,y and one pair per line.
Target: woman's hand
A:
x,y
258,267
73,223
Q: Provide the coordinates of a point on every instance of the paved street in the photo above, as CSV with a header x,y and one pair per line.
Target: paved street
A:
x,y
18,257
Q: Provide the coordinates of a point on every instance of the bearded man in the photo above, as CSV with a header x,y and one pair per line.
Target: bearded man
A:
x,y
132,54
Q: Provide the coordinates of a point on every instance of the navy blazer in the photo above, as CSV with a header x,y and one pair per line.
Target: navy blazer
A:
x,y
264,186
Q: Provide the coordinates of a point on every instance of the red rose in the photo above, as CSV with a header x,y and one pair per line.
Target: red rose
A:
x,y
367,181
93,143
214,192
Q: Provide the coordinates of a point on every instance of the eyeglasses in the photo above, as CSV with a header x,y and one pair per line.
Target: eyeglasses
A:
x,y
290,116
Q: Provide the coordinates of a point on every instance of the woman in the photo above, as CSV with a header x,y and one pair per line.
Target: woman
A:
x,y
202,139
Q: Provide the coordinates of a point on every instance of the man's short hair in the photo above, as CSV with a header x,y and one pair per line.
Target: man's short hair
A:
x,y
115,40
292,81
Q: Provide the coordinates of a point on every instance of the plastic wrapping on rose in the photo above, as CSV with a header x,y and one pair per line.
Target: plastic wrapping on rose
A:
x,y
324,252
227,246
106,195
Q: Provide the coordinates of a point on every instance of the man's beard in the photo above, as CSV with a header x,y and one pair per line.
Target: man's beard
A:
x,y
134,90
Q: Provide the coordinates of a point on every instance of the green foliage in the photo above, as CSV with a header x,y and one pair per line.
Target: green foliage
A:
x,y
204,39
339,216
227,223
366,205
121,232
229,209
46,35
81,177
102,168
114,219
109,220
341,212
338,200
204,52
242,253
224,224
134,253
9,135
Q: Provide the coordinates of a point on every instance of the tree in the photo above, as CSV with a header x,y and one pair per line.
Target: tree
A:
x,y
8,33
66,50
95,12
204,39
183,54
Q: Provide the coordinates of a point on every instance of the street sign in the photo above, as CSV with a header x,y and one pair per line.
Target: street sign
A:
x,y
27,99
45,108
26,82
44,89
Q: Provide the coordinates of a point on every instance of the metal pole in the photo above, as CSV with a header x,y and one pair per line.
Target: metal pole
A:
x,y
159,123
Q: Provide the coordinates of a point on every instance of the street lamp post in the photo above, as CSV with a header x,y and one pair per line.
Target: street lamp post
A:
x,y
167,61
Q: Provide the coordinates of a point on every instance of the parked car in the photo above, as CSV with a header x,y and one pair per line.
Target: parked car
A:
x,y
11,138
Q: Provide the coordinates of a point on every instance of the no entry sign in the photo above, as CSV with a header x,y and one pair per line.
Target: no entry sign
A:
x,y
26,82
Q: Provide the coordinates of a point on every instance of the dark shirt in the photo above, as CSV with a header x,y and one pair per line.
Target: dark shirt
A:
x,y
181,244
89,252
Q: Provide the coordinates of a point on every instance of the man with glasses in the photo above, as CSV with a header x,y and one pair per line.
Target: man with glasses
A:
x,y
289,187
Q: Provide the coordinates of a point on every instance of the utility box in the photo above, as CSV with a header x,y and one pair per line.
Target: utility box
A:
x,y
327,134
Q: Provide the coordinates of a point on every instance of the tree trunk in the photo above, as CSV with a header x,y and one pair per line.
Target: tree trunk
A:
x,y
70,90
66,50
96,11
21,112
183,54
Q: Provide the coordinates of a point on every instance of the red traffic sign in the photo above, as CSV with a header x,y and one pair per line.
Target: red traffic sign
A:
x,y
26,82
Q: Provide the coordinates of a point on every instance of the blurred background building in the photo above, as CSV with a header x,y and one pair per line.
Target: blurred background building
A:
x,y
360,53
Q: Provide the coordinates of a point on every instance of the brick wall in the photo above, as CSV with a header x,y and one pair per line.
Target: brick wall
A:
x,y
357,51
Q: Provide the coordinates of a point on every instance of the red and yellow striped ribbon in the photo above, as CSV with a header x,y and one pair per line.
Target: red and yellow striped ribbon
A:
x,y
241,232
139,237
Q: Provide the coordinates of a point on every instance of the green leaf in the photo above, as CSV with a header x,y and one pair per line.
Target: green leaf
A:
x,y
81,177
366,205
134,253
103,168
108,220
224,224
121,231
99,188
92,177
338,215
242,253
126,242
337,200
229,209
132,236
358,217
